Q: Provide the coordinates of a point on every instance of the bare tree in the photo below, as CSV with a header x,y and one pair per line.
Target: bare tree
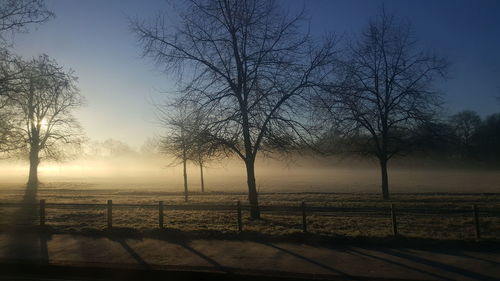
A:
x,y
151,146
11,72
201,155
202,148
385,89
43,104
248,65
465,125
187,138
176,142
17,15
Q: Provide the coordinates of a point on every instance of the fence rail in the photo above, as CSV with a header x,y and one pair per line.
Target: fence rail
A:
x,y
391,211
495,211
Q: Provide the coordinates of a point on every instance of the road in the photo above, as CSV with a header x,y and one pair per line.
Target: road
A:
x,y
240,256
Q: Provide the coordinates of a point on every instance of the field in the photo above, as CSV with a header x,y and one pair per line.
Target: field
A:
x,y
424,215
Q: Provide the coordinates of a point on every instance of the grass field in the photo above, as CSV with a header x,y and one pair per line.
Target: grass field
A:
x,y
424,215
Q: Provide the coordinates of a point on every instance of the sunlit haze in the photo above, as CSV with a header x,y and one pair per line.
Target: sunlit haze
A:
x,y
249,140
93,38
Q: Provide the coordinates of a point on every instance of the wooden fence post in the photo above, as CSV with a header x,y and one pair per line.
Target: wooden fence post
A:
x,y
476,222
160,214
240,224
394,222
304,221
110,213
42,212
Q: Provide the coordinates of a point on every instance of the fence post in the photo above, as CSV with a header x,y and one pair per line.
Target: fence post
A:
x,y
42,212
110,213
476,222
304,221
160,215
394,222
240,224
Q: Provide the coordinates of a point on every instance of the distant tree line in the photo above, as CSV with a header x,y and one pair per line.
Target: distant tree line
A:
x,y
465,137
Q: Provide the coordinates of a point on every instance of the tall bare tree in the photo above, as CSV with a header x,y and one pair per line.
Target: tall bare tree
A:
x,y
15,16
249,65
176,142
186,138
201,155
385,89
202,148
43,112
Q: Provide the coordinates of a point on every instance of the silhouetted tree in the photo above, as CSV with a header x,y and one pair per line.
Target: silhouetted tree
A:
x,y
201,157
488,139
187,138
115,148
435,139
177,141
45,98
385,90
202,147
246,63
5,125
151,146
465,125
11,70
17,15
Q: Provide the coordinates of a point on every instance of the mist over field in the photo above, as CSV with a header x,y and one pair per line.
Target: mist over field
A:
x,y
249,140
298,174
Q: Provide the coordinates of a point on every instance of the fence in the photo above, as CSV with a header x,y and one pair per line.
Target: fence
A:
x,y
392,212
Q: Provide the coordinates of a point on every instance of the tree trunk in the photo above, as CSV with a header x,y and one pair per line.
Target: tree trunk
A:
x,y
385,179
250,164
252,190
201,175
185,179
34,141
34,161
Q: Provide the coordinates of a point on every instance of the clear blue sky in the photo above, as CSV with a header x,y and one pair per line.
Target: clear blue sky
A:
x,y
92,37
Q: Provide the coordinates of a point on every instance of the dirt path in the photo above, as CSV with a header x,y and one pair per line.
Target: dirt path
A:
x,y
251,256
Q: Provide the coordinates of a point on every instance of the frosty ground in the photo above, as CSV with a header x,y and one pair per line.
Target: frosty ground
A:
x,y
419,215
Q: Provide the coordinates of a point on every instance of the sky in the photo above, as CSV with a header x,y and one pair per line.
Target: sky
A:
x,y
93,38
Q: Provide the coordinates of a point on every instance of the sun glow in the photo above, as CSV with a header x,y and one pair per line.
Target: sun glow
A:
x,y
42,123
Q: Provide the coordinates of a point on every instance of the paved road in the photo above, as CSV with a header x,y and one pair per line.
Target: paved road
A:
x,y
236,256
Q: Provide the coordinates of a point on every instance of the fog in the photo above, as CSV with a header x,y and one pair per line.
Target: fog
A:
x,y
298,174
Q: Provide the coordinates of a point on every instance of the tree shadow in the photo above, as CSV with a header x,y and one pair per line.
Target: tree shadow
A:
x,y
27,241
133,254
389,256
120,234
436,264
400,264
205,257
309,260
460,253
183,241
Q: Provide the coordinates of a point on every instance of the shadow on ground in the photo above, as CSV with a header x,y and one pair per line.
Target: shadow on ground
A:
x,y
27,251
32,252
26,237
